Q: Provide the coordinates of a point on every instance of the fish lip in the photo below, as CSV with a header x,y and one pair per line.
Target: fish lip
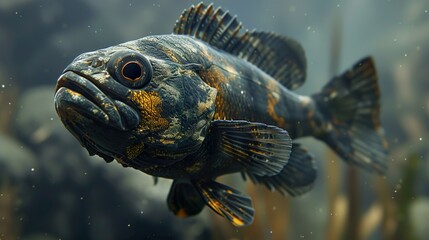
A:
x,y
91,95
76,83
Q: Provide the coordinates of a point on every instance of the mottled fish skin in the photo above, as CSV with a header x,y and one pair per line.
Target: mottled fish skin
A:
x,y
211,100
244,91
240,91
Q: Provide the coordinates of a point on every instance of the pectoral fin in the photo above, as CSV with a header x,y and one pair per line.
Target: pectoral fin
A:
x,y
227,202
261,149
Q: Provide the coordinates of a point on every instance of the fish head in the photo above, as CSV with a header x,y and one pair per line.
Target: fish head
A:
x,y
137,108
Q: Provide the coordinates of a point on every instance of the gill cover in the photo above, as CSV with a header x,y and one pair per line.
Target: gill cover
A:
x,y
176,108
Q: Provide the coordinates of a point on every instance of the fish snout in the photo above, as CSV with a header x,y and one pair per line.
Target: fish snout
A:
x,y
78,93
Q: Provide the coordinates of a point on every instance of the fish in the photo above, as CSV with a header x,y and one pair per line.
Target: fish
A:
x,y
212,99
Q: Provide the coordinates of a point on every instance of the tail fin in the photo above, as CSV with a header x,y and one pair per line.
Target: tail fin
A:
x,y
351,103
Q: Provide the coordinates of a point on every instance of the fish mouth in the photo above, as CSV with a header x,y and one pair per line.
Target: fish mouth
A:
x,y
77,93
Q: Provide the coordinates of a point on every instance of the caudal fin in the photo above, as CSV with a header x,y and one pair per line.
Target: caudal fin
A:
x,y
351,103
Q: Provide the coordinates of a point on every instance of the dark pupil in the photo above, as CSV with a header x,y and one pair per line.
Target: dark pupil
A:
x,y
132,71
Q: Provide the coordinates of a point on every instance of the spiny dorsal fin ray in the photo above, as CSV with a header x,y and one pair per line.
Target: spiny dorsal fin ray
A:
x,y
279,56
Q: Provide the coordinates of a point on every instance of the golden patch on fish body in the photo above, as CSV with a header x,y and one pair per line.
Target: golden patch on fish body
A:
x,y
150,105
170,54
215,78
134,150
272,99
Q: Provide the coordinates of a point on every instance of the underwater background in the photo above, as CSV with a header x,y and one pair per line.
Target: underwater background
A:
x,y
51,189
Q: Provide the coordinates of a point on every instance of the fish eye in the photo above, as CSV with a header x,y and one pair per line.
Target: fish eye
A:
x,y
132,71
130,68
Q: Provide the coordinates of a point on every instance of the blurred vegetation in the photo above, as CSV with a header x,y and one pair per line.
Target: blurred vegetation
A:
x,y
405,229
51,189
9,226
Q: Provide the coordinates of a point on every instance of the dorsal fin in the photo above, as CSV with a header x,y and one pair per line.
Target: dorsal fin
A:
x,y
279,56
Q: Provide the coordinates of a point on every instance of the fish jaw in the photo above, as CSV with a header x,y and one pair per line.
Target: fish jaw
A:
x,y
96,120
77,93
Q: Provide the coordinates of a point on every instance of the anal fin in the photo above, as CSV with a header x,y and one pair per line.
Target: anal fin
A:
x,y
227,202
296,178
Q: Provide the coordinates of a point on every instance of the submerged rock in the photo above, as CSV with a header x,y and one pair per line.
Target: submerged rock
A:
x,y
420,217
16,161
